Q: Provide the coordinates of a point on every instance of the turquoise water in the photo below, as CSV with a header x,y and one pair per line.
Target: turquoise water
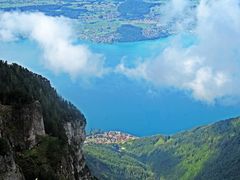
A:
x,y
129,51
115,102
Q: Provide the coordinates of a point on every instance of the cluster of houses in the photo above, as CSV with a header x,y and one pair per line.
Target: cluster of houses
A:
x,y
110,137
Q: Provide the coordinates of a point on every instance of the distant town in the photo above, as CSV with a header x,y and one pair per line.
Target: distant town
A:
x,y
110,137
105,21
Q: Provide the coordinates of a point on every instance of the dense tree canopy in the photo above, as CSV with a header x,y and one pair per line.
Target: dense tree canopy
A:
x,y
207,152
20,86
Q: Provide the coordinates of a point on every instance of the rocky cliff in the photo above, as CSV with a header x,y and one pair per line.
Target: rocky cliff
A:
x,y
19,128
41,135
22,130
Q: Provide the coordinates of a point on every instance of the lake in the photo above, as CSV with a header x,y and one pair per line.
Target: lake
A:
x,y
115,102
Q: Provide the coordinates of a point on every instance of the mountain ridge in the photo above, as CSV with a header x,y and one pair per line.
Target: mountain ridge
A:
x,y
204,152
41,134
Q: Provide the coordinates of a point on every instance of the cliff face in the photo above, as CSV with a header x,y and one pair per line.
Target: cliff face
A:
x,y
21,130
21,125
41,134
75,132
8,168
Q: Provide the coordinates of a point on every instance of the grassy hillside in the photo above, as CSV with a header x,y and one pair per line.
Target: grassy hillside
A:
x,y
110,162
207,152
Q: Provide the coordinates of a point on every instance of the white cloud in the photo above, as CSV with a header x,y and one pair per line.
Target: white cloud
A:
x,y
55,36
177,15
210,67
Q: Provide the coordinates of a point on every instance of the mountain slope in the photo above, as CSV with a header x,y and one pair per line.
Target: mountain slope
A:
x,y
41,134
207,152
110,162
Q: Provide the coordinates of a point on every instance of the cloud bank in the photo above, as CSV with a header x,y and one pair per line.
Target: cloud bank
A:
x,y
178,15
209,68
55,37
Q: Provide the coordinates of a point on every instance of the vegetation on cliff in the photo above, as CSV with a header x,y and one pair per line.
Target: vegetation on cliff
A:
x,y
41,134
20,86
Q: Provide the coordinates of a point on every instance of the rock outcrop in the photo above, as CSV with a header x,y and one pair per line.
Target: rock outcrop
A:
x,y
41,134
21,129
8,168
75,132
22,125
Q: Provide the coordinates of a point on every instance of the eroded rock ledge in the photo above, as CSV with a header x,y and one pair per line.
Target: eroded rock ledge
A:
x,y
23,138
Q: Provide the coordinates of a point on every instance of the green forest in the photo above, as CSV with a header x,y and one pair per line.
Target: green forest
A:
x,y
207,152
20,88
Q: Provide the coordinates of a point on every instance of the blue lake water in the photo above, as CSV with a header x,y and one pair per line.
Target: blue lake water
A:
x,y
115,102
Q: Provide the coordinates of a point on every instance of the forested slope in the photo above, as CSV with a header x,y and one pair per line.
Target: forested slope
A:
x,y
207,152
41,134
